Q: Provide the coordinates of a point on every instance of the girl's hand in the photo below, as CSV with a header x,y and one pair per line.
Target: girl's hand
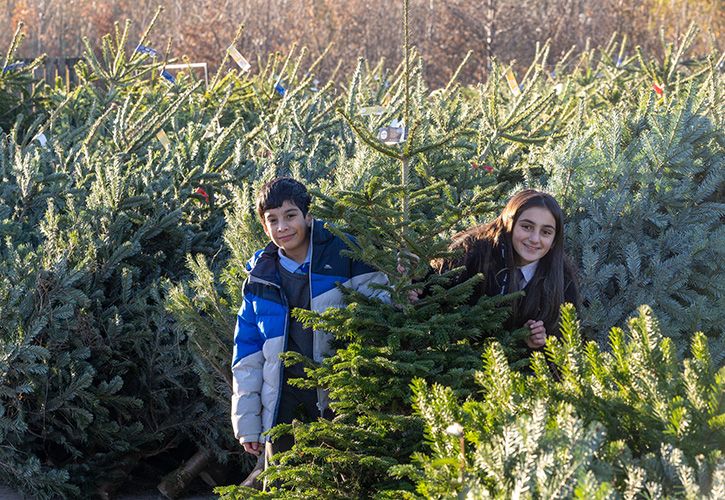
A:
x,y
537,338
404,260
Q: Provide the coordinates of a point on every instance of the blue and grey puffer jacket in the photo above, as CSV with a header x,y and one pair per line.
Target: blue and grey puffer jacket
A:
x,y
261,332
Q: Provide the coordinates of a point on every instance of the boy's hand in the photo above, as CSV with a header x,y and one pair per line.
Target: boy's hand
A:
x,y
252,448
537,338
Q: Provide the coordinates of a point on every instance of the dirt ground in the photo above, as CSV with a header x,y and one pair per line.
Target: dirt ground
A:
x,y
7,493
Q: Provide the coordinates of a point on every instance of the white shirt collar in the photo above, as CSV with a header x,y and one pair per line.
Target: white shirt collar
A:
x,y
528,271
290,264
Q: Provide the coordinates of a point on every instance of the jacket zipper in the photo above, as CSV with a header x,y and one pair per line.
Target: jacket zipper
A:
x,y
314,332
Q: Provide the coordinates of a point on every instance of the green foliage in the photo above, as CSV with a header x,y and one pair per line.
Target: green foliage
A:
x,y
643,190
20,93
595,425
122,260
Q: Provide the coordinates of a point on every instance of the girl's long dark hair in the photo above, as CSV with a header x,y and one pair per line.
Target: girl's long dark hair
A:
x,y
488,249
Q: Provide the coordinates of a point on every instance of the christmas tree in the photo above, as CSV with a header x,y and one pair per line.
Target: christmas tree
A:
x,y
631,421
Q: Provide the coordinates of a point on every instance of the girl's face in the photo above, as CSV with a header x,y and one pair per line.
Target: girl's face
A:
x,y
533,235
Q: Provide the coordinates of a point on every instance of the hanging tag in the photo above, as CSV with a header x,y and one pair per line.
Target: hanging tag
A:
x,y
619,62
513,84
393,133
42,140
200,191
142,49
455,429
280,89
238,58
315,83
167,76
659,89
372,110
163,139
14,66
213,129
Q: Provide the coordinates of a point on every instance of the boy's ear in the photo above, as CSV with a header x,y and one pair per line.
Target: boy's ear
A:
x,y
308,219
266,231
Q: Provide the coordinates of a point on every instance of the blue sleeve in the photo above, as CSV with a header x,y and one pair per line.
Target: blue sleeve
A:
x,y
247,338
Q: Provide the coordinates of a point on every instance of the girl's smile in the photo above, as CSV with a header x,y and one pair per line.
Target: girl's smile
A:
x,y
533,235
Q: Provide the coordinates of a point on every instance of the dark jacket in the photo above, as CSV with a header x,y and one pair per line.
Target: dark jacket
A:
x,y
261,331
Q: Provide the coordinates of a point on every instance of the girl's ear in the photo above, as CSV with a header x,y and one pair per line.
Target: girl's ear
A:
x,y
308,219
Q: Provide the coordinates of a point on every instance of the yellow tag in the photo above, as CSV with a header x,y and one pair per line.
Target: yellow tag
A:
x,y
163,139
238,58
372,110
513,84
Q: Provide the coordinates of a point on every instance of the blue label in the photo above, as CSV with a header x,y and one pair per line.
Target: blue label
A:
x,y
168,76
280,89
14,66
146,50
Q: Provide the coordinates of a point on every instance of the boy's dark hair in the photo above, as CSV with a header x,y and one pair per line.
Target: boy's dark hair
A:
x,y
275,192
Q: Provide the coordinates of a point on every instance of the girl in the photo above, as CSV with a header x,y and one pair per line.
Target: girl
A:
x,y
522,249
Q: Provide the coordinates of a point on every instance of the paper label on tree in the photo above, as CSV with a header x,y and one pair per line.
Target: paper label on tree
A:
x,y
394,133
513,84
142,49
372,110
280,89
163,139
238,58
14,66
42,140
167,76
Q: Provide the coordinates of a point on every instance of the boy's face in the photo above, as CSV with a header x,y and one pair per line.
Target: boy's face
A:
x,y
289,230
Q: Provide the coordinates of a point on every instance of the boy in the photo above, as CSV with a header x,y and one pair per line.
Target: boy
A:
x,y
298,269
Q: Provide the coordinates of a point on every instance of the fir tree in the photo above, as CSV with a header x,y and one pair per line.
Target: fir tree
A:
x,y
19,91
622,422
643,191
